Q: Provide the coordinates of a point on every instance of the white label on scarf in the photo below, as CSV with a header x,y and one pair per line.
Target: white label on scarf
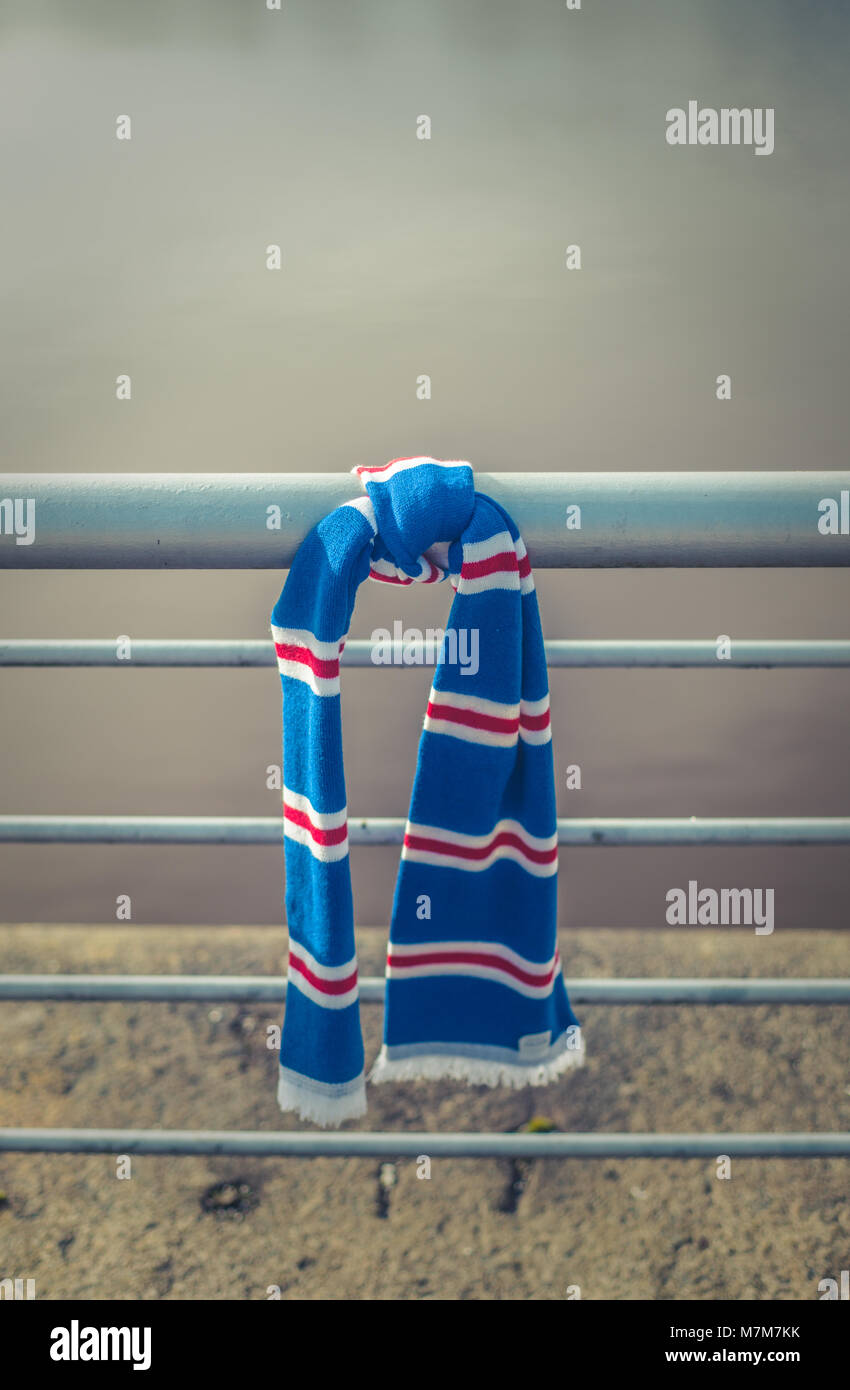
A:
x,y
535,1044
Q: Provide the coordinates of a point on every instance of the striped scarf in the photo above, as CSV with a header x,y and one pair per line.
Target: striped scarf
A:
x,y
474,988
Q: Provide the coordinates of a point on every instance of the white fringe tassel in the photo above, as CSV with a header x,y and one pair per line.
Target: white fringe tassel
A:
x,y
328,1111
474,1070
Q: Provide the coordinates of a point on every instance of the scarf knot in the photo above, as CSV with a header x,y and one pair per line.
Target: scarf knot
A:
x,y
416,525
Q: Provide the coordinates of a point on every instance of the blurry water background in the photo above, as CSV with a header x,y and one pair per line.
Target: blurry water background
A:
x,y
403,257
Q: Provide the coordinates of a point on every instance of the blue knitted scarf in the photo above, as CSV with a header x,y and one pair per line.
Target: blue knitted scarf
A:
x,y
474,987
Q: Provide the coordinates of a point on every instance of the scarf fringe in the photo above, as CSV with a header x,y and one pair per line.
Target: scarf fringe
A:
x,y
473,1070
326,1110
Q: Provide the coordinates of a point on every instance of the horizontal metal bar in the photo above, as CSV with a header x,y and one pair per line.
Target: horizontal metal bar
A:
x,y
263,989
155,652
221,520
363,1144
268,830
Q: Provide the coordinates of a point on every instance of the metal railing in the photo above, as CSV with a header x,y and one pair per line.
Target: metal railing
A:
x,y
744,654
263,989
377,830
257,521
375,1144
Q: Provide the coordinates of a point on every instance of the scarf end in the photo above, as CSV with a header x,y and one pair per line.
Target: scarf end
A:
x,y
319,1102
476,1071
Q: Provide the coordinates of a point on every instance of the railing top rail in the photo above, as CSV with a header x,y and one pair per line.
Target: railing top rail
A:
x,y
628,519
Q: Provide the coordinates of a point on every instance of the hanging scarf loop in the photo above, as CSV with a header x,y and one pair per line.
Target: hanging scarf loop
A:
x,y
474,987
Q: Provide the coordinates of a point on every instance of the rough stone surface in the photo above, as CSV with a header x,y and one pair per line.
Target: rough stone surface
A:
x,y
186,1228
